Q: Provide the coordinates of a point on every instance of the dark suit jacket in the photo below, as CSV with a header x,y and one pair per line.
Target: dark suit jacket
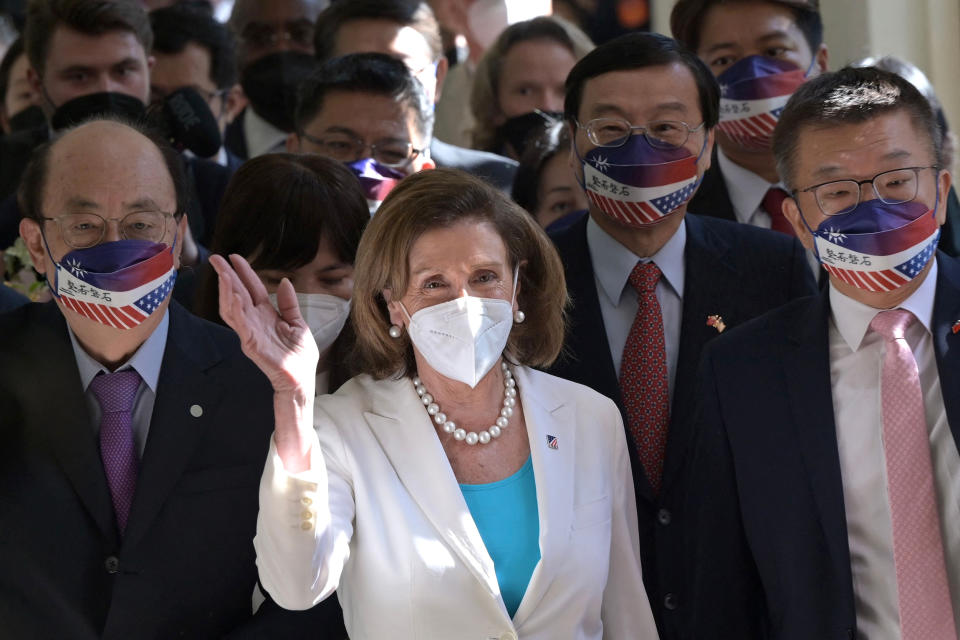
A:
x,y
497,170
713,199
732,270
185,566
768,524
10,299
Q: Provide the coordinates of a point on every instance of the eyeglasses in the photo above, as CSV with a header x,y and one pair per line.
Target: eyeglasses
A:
x,y
838,197
261,36
345,148
85,230
614,132
158,95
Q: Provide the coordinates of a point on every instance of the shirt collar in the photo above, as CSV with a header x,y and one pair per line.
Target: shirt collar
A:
x,y
746,188
853,318
145,361
613,262
262,137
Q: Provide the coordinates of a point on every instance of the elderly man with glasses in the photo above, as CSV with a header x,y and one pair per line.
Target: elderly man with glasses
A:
x,y
651,283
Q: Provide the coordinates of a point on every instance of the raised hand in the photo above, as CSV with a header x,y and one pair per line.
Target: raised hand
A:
x,y
281,344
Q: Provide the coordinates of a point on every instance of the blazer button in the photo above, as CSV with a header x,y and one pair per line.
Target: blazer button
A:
x,y
112,564
664,517
670,602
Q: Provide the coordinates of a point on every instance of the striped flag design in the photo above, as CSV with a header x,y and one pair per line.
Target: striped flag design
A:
x,y
753,93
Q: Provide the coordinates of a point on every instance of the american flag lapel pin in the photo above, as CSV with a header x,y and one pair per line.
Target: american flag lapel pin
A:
x,y
552,442
717,323
956,327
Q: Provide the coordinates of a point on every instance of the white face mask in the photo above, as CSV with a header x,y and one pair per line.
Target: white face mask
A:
x,y
323,313
462,338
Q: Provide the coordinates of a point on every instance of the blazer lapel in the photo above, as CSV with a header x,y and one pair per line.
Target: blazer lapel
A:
x,y
708,290
409,440
946,315
806,363
548,416
174,430
66,419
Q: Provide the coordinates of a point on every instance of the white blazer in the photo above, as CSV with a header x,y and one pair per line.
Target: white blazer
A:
x,y
380,517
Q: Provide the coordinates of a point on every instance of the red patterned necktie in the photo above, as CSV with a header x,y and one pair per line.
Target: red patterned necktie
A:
x,y
923,591
773,205
116,393
643,375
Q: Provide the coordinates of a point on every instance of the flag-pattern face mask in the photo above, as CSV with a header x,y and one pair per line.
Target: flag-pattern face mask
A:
x,y
119,284
753,92
638,184
878,247
376,180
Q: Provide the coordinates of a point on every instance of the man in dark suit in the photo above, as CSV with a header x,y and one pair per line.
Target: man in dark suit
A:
x,y
642,111
10,299
824,497
408,31
777,32
131,456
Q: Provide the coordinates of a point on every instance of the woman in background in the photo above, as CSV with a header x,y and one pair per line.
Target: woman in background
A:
x,y
545,184
300,217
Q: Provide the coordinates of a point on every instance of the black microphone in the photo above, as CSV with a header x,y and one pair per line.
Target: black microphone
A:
x,y
184,118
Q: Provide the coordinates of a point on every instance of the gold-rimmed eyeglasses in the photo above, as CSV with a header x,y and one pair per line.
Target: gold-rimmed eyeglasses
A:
x,y
85,230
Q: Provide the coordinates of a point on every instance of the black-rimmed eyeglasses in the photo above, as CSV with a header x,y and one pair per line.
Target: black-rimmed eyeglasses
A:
x,y
838,197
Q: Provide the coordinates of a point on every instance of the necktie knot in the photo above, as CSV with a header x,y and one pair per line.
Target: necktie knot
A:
x,y
892,325
645,276
116,391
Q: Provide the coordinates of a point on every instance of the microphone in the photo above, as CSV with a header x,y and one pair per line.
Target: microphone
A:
x,y
184,118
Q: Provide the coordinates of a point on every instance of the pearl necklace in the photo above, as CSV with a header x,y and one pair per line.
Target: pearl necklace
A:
x,y
471,437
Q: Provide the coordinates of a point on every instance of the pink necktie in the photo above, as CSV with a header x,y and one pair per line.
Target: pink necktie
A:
x,y
643,375
926,611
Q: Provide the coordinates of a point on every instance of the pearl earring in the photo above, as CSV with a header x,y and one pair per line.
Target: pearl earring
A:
x,y
519,317
394,331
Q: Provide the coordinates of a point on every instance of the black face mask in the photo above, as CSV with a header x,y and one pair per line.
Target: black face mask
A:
x,y
520,130
271,85
73,112
30,118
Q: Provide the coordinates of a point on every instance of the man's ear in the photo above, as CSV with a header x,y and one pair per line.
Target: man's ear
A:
x,y
442,67
32,236
944,180
792,211
822,57
292,143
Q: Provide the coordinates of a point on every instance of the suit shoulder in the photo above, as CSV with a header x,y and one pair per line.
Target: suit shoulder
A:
x,y
748,235
760,334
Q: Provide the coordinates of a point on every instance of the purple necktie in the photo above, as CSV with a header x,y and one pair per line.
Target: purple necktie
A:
x,y
116,392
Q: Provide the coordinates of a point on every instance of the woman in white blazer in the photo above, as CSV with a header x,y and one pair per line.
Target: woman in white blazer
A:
x,y
450,492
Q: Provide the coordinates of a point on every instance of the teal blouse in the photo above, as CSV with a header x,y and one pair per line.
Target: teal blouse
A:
x,y
506,515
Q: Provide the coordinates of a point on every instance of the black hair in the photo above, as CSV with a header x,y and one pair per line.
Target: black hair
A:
x,y
686,19
409,13
181,24
552,140
9,58
375,73
852,95
639,51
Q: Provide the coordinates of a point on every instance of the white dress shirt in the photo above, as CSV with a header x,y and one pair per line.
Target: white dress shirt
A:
x,y
145,361
262,137
856,365
612,264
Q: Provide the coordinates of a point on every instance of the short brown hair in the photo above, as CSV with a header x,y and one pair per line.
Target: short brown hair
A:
x,y
89,17
441,198
485,93
849,96
686,18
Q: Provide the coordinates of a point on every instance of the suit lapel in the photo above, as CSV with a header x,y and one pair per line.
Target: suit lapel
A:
x,y
66,419
946,314
548,416
586,357
708,290
806,363
174,430
409,440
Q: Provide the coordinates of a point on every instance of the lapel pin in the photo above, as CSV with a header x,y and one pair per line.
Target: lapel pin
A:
x,y
956,327
552,442
717,323
196,411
